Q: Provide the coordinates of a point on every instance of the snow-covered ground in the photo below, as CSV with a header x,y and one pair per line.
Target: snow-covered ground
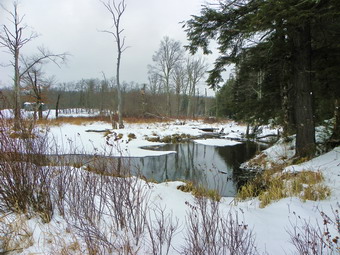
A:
x,y
270,224
84,138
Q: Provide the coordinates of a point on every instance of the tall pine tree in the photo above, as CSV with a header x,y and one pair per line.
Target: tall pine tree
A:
x,y
282,28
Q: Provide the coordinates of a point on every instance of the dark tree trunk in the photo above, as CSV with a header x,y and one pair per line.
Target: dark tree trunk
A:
x,y
17,101
336,130
305,131
335,137
40,112
287,109
57,107
40,108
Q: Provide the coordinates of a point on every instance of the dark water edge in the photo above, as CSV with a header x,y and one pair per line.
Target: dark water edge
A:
x,y
210,166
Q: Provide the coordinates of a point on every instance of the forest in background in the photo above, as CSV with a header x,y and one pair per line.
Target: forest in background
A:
x,y
100,96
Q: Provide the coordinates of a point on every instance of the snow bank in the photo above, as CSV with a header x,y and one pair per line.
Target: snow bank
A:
x,y
216,142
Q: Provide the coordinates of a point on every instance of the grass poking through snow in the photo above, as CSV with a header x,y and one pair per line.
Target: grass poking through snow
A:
x,y
200,191
272,185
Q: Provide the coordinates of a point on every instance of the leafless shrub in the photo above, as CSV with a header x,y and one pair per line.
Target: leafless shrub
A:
x,y
82,204
161,229
109,213
24,180
316,239
209,232
60,187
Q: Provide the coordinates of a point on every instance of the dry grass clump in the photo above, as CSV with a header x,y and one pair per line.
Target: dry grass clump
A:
x,y
175,138
273,184
21,135
72,249
258,162
131,136
15,235
199,191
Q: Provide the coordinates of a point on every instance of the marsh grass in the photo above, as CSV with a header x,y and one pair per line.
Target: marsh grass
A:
x,y
199,191
175,138
272,185
73,120
129,119
90,119
15,234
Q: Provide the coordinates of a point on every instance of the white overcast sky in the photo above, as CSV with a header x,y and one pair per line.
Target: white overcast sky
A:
x,y
72,26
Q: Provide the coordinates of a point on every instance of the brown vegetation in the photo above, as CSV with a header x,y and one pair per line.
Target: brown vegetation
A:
x,y
274,184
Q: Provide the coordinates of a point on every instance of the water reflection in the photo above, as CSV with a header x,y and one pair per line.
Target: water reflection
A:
x,y
213,167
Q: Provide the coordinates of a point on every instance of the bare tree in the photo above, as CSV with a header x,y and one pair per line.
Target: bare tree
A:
x,y
116,11
13,40
154,82
195,70
169,54
36,84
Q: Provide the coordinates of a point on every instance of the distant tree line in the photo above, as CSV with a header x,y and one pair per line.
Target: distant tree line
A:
x,y
139,100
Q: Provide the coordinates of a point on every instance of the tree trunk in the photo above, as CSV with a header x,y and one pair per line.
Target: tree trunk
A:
x,y
40,111
189,106
17,101
206,104
334,140
119,90
169,103
336,130
289,124
40,108
57,107
305,131
168,93
178,98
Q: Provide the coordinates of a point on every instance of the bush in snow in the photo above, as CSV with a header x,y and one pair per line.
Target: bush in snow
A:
x,y
25,182
316,239
211,232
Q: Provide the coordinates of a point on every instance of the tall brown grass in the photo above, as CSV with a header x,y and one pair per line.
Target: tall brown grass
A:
x,y
131,120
